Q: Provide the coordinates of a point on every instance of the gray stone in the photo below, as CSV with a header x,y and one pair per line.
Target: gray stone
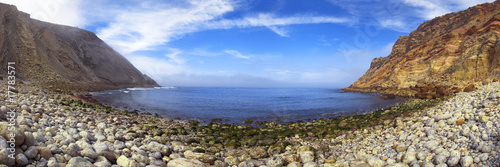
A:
x,y
31,152
102,162
453,160
119,145
182,162
409,156
5,159
276,161
39,138
258,152
101,125
89,152
100,146
442,117
466,161
306,156
439,159
21,160
30,140
53,163
483,156
157,147
126,162
200,157
421,155
311,164
78,161
72,150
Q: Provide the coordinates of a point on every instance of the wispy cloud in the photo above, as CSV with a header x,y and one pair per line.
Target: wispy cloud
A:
x,y
66,12
402,15
236,54
149,27
274,23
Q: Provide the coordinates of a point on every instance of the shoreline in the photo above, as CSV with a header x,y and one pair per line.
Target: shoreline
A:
x,y
56,131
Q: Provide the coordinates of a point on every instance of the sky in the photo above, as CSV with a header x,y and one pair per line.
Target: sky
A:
x,y
247,43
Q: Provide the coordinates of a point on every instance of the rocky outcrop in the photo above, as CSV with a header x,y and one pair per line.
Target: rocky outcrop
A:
x,y
62,57
449,51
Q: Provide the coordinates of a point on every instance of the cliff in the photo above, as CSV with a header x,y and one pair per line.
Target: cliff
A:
x,y
448,52
62,57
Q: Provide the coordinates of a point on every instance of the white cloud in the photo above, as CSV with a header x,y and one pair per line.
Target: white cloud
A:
x,y
145,29
273,22
236,54
402,15
66,12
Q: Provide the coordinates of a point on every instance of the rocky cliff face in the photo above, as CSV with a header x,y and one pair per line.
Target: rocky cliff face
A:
x,y
453,50
62,57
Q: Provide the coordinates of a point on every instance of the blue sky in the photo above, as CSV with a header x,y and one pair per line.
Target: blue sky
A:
x,y
251,43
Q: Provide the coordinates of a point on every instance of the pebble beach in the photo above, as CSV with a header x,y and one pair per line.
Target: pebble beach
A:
x,y
55,130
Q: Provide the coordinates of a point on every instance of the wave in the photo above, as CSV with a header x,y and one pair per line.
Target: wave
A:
x,y
166,87
137,89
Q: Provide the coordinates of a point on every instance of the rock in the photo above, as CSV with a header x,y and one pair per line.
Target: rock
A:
x,y
486,149
31,152
305,148
401,148
483,157
126,162
5,159
19,133
44,152
89,152
466,161
421,155
295,164
453,160
306,156
440,159
119,145
53,163
182,162
157,147
110,156
442,117
409,156
78,161
258,153
30,140
460,121
21,160
232,160
470,88
275,161
311,164
200,157
72,150
375,162
39,138
100,146
101,126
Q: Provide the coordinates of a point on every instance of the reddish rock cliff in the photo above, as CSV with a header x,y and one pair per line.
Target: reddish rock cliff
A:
x,y
449,51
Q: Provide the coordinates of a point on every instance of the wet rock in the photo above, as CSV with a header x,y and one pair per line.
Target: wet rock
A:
x,y
257,153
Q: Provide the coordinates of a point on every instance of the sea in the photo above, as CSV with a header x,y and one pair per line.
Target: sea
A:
x,y
235,105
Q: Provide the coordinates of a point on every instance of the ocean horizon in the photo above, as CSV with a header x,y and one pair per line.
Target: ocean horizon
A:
x,y
236,104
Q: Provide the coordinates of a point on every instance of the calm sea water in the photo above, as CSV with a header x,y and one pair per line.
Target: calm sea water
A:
x,y
234,105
